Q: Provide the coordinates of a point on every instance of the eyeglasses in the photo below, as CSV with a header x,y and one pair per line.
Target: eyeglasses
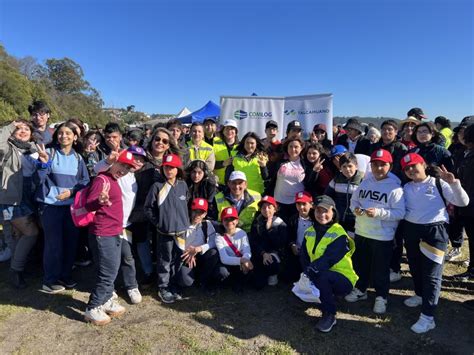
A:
x,y
159,139
39,114
423,131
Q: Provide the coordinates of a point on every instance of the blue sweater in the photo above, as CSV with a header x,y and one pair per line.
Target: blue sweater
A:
x,y
62,172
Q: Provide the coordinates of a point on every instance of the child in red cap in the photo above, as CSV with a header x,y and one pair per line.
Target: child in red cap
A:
x,y
424,229
267,241
379,205
166,207
234,250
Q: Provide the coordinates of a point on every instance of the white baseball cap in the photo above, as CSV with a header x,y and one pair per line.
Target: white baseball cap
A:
x,y
229,123
237,175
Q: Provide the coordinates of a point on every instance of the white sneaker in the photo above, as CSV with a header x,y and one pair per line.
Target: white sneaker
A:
x,y
114,296
5,254
423,324
272,280
113,308
395,276
96,316
356,295
453,254
413,301
135,295
380,305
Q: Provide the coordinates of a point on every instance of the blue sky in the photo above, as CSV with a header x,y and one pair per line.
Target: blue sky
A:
x,y
378,57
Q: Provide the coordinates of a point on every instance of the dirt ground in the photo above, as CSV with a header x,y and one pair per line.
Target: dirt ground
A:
x,y
269,321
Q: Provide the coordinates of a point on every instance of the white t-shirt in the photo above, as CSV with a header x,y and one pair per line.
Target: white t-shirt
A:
x,y
289,182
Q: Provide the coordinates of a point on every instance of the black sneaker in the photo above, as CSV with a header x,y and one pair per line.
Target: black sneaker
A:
x,y
326,323
465,276
69,284
17,279
166,296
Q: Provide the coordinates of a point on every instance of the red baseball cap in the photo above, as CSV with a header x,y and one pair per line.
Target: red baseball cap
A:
x,y
381,155
199,204
126,158
411,159
229,212
172,160
267,199
303,196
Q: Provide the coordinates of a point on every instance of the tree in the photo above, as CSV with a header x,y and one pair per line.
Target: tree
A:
x,y
66,75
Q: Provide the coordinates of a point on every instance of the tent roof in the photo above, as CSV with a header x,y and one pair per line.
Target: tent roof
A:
x,y
184,112
208,110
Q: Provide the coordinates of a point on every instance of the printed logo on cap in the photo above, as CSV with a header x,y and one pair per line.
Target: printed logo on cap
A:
x,y
229,210
129,156
407,158
379,153
300,195
169,158
201,202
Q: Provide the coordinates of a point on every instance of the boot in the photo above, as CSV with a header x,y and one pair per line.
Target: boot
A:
x,y
17,279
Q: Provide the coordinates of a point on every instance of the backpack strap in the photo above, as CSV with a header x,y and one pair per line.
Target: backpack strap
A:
x,y
204,227
440,189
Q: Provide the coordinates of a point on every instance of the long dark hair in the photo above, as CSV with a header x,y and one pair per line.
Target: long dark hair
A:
x,y
241,147
436,139
72,126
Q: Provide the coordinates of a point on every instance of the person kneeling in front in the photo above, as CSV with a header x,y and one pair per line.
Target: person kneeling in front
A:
x,y
326,259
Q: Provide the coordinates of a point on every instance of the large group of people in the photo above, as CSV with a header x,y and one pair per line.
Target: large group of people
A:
x,y
215,207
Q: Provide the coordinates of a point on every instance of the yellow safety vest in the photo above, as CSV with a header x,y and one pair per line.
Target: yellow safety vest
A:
x,y
246,215
252,172
343,266
202,152
222,154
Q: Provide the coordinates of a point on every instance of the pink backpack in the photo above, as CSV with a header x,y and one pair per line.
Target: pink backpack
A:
x,y
80,216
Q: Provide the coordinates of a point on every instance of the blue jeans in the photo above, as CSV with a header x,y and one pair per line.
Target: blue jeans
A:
x,y
107,254
60,243
127,267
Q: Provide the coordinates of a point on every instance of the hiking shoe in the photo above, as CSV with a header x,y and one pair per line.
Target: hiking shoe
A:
x,y
272,280
380,305
52,289
465,276
395,276
17,279
96,316
113,308
135,295
166,296
423,324
326,323
453,254
5,254
356,295
413,301
69,284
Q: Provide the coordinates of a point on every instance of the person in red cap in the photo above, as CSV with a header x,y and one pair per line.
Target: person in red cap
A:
x,y
105,199
200,257
166,207
267,241
379,205
234,250
297,225
424,229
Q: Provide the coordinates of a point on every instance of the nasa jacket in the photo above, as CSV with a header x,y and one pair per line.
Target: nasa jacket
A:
x,y
386,196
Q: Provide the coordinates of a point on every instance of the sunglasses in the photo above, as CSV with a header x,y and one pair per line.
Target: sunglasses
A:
x,y
159,139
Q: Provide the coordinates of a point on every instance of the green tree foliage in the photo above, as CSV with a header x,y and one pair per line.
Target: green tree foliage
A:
x,y
60,83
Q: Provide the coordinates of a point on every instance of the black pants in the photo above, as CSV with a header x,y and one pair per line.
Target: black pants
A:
x,y
330,285
206,270
262,272
372,264
455,229
396,261
168,263
426,273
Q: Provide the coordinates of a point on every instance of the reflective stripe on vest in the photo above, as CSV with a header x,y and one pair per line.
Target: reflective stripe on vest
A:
x,y
343,266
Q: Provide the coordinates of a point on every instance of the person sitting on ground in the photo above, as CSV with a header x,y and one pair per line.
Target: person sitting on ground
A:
x,y
268,238
234,250
326,259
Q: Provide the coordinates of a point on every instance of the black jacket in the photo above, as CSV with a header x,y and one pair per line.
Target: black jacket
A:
x,y
362,146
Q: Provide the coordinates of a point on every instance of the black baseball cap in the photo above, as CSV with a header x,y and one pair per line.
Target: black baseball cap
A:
x,y
271,123
294,125
324,201
416,112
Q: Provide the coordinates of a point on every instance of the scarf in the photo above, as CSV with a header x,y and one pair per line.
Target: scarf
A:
x,y
24,147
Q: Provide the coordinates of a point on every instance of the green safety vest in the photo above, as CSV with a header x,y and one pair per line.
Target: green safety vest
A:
x,y
246,214
221,153
252,172
343,266
203,152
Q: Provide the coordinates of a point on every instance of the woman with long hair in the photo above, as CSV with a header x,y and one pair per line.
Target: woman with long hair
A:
x,y
225,149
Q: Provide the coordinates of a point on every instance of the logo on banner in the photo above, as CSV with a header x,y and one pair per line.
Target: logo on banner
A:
x,y
240,115
305,112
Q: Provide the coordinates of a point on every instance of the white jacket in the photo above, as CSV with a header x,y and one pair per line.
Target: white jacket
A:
x,y
386,196
240,241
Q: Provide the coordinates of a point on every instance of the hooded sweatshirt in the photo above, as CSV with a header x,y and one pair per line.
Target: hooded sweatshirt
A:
x,y
386,196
